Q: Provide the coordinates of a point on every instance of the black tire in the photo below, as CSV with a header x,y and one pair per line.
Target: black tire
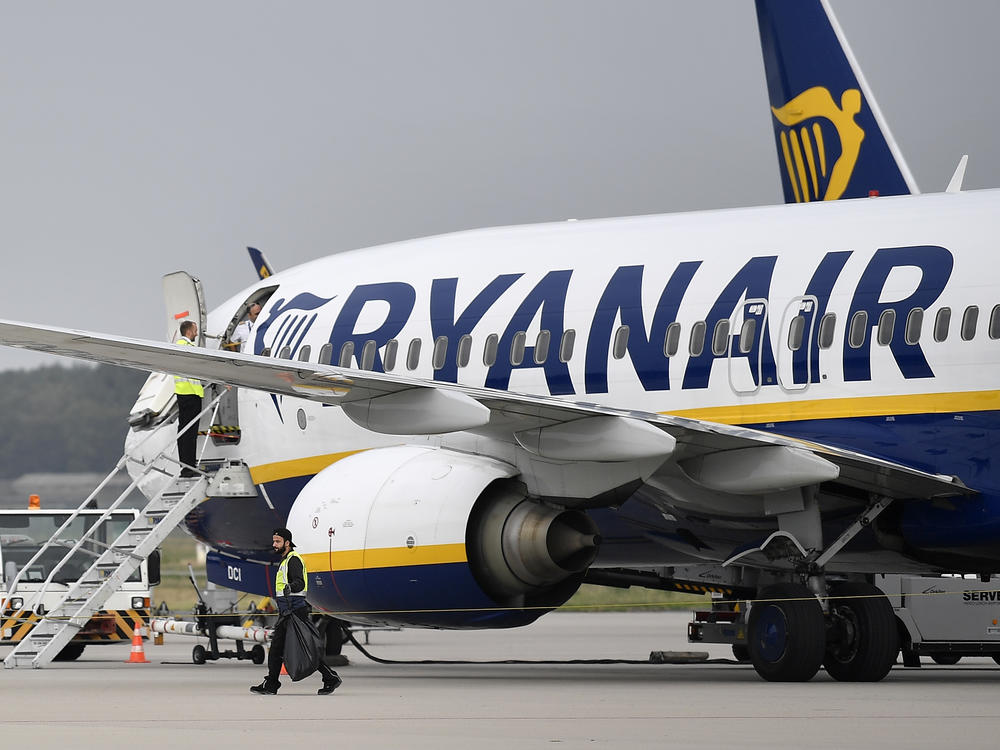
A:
x,y
741,652
334,635
786,638
257,654
71,652
198,654
864,641
946,659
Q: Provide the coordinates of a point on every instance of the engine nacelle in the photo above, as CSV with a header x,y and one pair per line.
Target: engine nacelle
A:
x,y
426,536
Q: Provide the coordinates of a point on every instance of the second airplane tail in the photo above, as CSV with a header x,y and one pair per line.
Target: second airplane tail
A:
x,y
831,137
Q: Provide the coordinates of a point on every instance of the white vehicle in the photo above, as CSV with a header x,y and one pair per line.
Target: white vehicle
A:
x,y
459,429
24,532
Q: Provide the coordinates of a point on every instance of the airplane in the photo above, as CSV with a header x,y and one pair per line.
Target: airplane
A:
x,y
773,402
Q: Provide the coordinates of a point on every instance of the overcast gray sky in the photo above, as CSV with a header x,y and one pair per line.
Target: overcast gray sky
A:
x,y
142,138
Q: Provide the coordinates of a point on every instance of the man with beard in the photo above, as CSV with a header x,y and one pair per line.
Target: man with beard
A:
x,y
290,586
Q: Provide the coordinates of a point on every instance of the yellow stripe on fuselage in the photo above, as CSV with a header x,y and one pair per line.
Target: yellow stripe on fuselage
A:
x,y
296,467
384,557
841,408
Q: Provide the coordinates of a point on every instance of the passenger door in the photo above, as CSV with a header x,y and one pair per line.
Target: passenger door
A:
x,y
185,300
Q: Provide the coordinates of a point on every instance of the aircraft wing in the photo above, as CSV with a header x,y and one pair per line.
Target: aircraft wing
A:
x,y
724,458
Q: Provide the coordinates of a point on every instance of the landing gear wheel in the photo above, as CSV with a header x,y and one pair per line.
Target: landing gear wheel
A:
x,y
786,638
71,652
947,659
864,641
198,654
741,652
257,654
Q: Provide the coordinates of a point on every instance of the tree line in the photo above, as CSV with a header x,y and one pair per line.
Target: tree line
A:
x,y
64,419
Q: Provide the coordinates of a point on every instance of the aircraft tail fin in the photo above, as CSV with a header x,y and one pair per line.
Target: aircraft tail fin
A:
x,y
831,137
260,264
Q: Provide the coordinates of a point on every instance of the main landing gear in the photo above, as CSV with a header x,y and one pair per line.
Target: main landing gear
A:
x,y
849,629
789,637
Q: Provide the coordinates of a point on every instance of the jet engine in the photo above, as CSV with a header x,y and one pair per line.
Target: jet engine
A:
x,y
425,536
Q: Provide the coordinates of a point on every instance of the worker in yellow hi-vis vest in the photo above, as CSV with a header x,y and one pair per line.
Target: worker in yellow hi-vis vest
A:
x,y
188,392
290,587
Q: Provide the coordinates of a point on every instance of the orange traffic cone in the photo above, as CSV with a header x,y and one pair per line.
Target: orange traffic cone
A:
x,y
283,670
138,656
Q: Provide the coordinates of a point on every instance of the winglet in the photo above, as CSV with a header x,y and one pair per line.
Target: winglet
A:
x,y
831,137
260,264
955,186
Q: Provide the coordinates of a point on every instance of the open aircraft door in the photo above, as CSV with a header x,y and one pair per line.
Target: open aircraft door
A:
x,y
185,300
747,325
795,343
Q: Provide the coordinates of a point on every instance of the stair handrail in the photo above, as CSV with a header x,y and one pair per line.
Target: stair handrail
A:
x,y
149,466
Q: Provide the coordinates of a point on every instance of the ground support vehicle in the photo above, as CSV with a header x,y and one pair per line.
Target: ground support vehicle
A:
x,y
24,532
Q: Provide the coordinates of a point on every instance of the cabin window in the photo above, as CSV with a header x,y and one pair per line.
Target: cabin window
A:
x,y
346,352
490,350
304,353
285,353
389,355
795,331
969,322
440,353
517,348
941,324
995,323
914,324
326,354
464,353
748,333
696,345
542,342
413,355
886,322
620,345
720,338
672,340
368,355
827,324
859,329
567,342
266,351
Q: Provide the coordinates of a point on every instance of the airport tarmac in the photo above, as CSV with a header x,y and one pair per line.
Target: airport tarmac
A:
x,y
99,701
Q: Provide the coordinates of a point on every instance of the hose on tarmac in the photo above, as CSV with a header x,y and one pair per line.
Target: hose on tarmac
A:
x,y
380,660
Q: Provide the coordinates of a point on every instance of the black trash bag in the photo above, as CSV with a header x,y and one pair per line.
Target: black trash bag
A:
x,y
303,648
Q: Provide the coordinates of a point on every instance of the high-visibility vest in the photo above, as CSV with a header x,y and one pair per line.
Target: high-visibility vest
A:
x,y
281,580
187,386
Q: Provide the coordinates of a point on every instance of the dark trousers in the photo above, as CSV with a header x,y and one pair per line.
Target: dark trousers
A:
x,y
188,407
276,655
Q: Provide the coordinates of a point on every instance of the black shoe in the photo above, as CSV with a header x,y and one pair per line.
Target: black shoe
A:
x,y
185,473
330,686
265,688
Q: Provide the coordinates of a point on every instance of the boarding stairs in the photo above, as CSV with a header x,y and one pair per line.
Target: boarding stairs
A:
x,y
87,595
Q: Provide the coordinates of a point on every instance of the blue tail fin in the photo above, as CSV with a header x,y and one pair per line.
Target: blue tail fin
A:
x,y
832,140
260,264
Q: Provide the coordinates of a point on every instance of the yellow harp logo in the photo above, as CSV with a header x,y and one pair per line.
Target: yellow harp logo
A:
x,y
806,156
